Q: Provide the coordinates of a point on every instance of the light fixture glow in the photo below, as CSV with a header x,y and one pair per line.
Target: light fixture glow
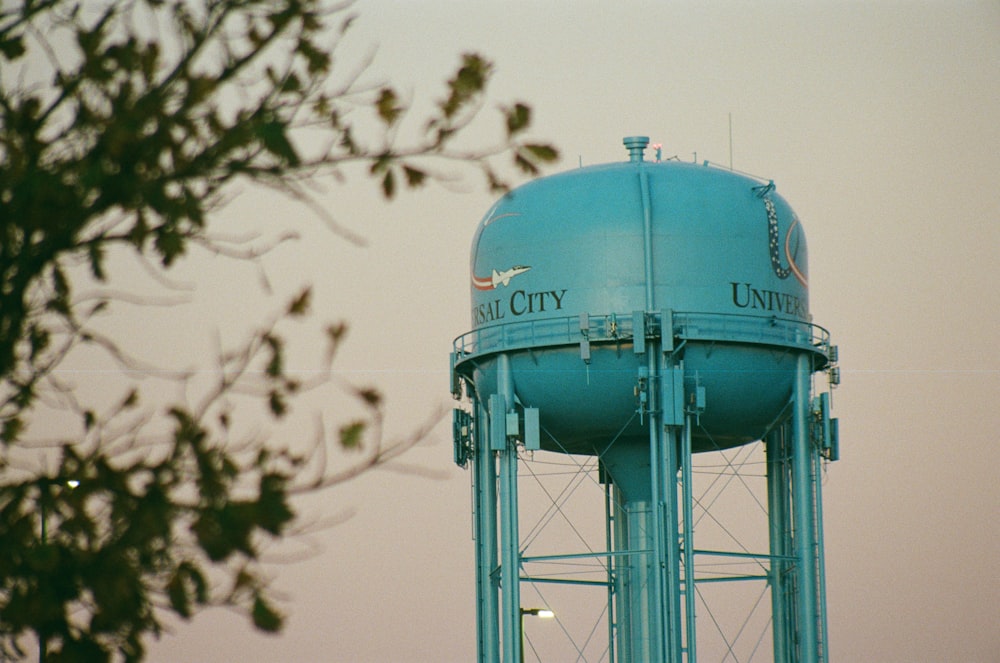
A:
x,y
544,613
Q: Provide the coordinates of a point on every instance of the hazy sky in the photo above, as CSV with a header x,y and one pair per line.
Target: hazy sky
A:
x,y
879,123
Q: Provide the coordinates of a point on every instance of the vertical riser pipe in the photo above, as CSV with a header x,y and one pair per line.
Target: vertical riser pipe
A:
x,y
804,514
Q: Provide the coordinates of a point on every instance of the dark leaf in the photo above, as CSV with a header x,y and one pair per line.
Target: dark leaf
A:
x,y
496,184
95,251
545,153
335,335
381,163
12,47
169,244
139,232
370,396
131,399
273,511
346,137
275,140
11,429
414,176
468,82
388,184
195,576
518,118
322,108
178,595
276,402
291,84
265,617
275,365
300,305
39,338
336,332
525,164
317,59
61,286
212,537
387,106
351,434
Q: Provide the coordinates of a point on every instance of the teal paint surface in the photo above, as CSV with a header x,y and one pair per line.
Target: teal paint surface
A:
x,y
643,312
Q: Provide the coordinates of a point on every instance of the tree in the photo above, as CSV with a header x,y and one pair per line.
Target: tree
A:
x,y
122,127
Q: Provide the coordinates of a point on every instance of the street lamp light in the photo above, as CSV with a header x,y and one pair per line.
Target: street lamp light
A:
x,y
543,613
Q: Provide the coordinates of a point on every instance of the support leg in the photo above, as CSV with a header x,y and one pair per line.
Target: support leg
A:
x,y
510,554
780,545
805,515
484,487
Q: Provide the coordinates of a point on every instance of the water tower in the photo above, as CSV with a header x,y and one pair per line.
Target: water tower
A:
x,y
642,313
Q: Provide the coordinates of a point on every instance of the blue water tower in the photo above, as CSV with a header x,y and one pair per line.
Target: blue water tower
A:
x,y
639,313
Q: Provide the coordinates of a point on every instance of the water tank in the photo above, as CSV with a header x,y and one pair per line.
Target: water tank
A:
x,y
576,276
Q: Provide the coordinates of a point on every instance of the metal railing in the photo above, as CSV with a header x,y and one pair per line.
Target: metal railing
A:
x,y
621,328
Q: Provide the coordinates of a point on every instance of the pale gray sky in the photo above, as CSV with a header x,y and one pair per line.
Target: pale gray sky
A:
x,y
879,124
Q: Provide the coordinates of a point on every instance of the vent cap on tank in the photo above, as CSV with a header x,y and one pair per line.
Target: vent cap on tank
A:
x,y
636,147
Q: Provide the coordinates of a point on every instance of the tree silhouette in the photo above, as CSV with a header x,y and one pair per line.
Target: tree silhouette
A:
x,y
122,127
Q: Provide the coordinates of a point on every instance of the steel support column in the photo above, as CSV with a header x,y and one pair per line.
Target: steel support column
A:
x,y
803,495
484,498
824,648
687,498
510,554
667,432
780,543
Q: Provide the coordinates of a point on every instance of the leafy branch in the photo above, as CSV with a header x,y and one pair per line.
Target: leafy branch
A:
x,y
123,126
